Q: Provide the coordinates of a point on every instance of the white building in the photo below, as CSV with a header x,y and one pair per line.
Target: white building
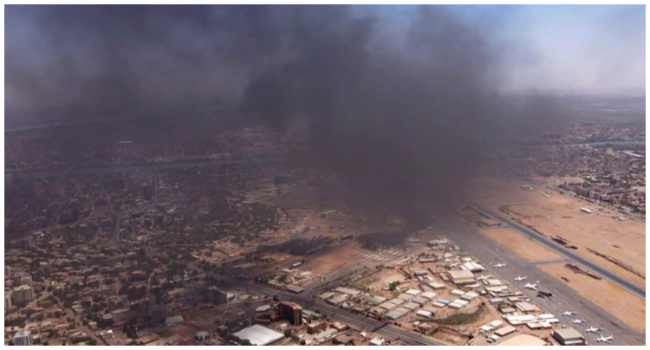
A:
x,y
259,335
23,338
8,302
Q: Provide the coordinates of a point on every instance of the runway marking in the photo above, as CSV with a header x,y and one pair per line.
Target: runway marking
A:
x,y
551,262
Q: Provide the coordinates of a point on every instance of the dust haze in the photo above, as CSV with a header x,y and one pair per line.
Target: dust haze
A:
x,y
405,114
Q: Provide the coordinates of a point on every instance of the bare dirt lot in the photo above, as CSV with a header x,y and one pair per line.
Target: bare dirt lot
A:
x,y
617,302
598,237
331,261
384,278
522,245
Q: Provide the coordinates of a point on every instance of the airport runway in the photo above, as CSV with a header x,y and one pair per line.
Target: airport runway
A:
x,y
606,274
489,252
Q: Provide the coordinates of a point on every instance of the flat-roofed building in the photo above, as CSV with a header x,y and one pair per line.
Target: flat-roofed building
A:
x,y
394,315
411,305
338,299
413,292
420,301
387,305
469,296
568,336
316,327
215,296
377,311
295,289
405,297
436,285
23,338
523,340
23,294
375,300
461,277
458,304
496,301
473,267
520,319
326,295
428,295
505,331
526,307
259,335
325,335
351,292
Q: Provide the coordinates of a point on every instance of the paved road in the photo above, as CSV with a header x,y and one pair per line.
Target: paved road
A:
x,y
606,274
490,252
116,231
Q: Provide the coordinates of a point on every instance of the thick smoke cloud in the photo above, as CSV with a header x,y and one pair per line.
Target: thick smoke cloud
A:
x,y
404,118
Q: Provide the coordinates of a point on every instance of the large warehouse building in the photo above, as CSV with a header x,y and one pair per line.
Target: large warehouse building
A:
x,y
259,335
568,336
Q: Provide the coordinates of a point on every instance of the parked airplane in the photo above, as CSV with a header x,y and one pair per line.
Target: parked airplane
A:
x,y
521,278
568,313
605,339
578,321
483,277
500,265
593,330
531,286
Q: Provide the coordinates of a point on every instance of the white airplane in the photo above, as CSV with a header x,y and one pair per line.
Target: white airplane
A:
x,y
605,339
568,313
593,330
499,265
531,286
578,321
521,278
483,277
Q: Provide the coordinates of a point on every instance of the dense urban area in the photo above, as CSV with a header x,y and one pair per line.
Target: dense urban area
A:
x,y
135,235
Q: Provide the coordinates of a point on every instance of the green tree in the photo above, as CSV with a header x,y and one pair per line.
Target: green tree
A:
x,y
393,286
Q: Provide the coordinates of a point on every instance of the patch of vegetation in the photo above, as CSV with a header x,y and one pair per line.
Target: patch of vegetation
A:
x,y
460,318
393,285
361,284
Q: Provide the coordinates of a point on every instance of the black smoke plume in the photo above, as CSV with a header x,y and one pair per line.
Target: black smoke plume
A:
x,y
405,115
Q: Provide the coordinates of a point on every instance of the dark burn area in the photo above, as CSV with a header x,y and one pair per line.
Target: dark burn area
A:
x,y
404,115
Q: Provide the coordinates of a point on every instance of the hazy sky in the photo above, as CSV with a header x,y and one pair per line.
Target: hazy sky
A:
x,y
579,49
563,49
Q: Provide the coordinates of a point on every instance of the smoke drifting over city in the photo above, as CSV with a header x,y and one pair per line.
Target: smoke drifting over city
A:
x,y
404,114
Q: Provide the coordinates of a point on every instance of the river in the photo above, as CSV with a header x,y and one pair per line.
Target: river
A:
x,y
143,167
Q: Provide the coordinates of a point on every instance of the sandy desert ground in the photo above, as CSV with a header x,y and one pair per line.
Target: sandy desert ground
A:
x,y
522,245
616,246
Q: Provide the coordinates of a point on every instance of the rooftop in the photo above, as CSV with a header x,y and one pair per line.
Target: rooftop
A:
x,y
259,335
523,340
